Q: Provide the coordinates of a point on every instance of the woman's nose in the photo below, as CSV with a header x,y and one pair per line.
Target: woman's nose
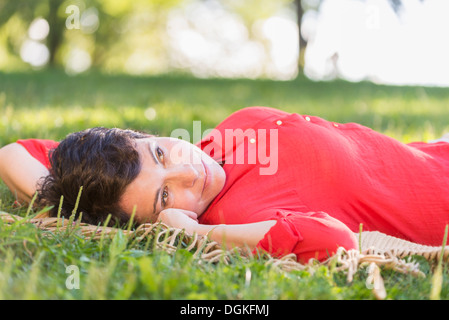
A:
x,y
184,174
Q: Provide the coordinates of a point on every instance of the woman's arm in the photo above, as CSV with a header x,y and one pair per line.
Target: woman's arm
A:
x,y
20,171
230,235
237,235
308,235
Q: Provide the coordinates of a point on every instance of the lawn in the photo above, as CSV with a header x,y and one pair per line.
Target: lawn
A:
x,y
35,264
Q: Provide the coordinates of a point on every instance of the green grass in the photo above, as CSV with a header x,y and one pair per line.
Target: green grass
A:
x,y
50,105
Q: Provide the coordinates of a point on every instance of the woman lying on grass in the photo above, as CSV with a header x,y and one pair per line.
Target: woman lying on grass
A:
x,y
264,179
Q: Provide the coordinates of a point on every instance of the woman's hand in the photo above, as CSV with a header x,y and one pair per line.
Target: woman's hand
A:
x,y
237,235
180,219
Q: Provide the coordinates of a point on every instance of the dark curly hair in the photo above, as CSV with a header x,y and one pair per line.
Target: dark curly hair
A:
x,y
100,160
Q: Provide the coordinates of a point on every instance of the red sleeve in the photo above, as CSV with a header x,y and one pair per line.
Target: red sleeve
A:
x,y
308,235
39,148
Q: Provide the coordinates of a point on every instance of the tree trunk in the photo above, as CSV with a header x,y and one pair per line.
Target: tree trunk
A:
x,y
56,30
302,41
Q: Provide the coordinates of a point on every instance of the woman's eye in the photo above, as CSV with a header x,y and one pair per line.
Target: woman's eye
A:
x,y
164,197
160,154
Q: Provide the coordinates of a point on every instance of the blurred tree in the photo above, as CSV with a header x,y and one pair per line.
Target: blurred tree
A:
x,y
302,41
128,28
304,5
55,36
253,10
9,14
28,10
115,16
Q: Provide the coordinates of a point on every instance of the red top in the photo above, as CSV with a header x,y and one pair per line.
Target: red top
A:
x,y
326,179
330,178
39,149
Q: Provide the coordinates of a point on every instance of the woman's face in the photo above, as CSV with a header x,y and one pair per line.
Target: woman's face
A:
x,y
174,174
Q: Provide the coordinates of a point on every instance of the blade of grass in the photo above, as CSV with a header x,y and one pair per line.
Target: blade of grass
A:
x,y
59,213
437,279
30,206
43,212
77,201
105,224
360,237
75,208
131,220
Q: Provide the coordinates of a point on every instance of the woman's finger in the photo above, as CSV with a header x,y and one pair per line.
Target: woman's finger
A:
x,y
191,214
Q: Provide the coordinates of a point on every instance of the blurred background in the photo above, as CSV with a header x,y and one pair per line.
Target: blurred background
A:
x,y
384,41
157,65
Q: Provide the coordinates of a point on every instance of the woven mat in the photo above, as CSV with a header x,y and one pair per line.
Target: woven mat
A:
x,y
374,242
376,249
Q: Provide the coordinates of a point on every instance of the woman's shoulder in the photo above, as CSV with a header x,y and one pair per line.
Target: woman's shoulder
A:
x,y
38,148
249,115
258,111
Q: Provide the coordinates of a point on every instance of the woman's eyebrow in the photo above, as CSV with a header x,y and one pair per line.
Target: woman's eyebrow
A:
x,y
152,153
